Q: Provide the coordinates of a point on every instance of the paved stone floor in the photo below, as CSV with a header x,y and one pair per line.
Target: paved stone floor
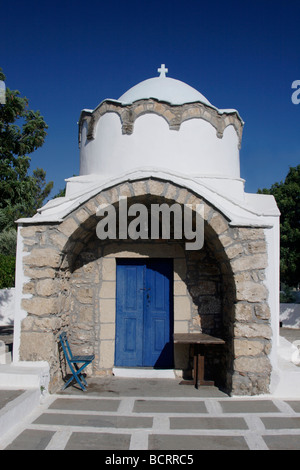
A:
x,y
157,415
154,415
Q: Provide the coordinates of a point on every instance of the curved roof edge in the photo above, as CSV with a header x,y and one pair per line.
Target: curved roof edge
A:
x,y
250,213
88,112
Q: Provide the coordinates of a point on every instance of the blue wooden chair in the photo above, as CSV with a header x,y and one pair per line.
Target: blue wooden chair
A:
x,y
73,361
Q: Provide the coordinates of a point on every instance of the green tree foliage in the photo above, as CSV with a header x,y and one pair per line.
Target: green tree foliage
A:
x,y
7,271
22,131
287,196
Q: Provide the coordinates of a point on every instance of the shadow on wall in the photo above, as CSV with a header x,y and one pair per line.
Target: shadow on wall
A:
x,y
290,315
7,306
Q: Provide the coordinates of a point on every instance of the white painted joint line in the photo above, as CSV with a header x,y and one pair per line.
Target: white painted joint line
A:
x,y
59,440
284,407
255,441
253,436
126,406
139,440
213,407
161,423
254,423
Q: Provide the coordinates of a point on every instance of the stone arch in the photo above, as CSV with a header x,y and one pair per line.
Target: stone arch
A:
x,y
239,261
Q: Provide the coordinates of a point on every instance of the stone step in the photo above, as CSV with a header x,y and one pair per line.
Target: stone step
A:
x,y
17,409
24,375
144,372
31,379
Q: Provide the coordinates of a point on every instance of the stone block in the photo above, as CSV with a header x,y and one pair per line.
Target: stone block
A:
x,y
59,240
29,288
85,314
243,312
68,226
140,109
107,310
27,323
82,215
109,269
218,223
257,246
107,331
100,199
139,188
225,239
42,257
107,350
84,295
194,201
234,250
182,196
169,115
108,290
182,308
47,324
125,190
112,196
262,311
254,365
245,263
155,187
181,326
159,108
46,287
248,348
36,273
30,231
180,288
171,192
251,233
40,305
37,346
251,291
252,330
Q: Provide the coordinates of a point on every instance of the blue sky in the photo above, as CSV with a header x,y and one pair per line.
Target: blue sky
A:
x,y
69,55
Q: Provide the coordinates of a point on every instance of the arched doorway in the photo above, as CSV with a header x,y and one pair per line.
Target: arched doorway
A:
x,y
218,289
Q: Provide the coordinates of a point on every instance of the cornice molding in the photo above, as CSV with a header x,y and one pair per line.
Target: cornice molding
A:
x,y
175,115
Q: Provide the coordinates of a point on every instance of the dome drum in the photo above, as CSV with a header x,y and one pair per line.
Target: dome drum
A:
x,y
163,123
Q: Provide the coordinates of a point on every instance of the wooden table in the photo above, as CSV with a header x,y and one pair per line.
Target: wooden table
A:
x,y
199,341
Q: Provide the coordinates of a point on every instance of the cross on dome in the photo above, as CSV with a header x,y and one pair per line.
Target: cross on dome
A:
x,y
162,70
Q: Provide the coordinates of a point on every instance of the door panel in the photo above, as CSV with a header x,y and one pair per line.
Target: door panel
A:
x,y
129,318
144,313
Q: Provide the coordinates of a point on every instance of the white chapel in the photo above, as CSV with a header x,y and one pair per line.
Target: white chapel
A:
x,y
162,141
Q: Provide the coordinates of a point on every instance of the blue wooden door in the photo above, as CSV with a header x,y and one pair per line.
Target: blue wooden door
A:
x,y
144,317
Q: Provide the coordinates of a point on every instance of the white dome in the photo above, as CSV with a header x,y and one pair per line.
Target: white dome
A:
x,y
191,142
163,89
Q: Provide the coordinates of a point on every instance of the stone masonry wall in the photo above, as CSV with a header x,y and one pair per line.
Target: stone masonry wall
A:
x,y
220,290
